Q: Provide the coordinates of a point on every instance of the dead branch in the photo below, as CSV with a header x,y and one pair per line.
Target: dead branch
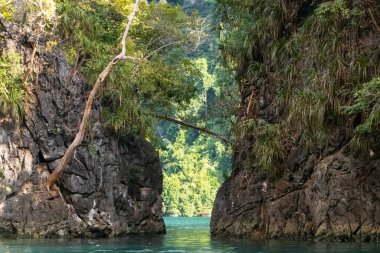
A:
x,y
201,129
90,100
125,34
373,19
161,48
31,63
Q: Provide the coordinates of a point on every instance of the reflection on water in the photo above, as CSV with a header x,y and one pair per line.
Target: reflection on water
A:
x,y
183,235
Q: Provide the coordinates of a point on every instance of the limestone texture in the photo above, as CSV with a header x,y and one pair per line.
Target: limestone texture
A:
x,y
111,187
334,198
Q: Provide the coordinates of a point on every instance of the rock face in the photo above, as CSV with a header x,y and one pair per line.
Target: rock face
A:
x,y
111,187
327,192
333,198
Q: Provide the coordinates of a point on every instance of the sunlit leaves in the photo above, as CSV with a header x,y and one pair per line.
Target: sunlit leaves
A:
x,y
162,37
367,101
11,86
190,176
7,9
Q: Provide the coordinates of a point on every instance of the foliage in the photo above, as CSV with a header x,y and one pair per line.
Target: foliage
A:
x,y
39,12
6,188
267,147
213,106
204,7
306,53
174,72
161,39
38,15
11,87
170,75
367,103
192,161
7,9
191,176
91,30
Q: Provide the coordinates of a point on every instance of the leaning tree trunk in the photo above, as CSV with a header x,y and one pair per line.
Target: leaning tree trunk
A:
x,y
87,110
201,129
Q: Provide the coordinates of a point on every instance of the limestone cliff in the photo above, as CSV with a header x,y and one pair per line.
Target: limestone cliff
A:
x,y
329,198
298,71
113,184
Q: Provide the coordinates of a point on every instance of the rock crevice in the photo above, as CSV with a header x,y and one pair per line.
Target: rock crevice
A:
x,y
339,200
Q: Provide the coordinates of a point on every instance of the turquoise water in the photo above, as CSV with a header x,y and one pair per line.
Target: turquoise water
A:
x,y
183,235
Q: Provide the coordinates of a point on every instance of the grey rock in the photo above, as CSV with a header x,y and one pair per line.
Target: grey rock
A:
x,y
339,201
111,187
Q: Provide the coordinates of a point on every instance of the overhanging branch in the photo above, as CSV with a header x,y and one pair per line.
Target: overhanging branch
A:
x,y
90,100
201,129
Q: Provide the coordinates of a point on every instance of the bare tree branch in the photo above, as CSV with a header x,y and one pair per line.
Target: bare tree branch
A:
x,y
161,48
31,63
125,35
151,41
201,129
137,59
131,58
373,19
90,100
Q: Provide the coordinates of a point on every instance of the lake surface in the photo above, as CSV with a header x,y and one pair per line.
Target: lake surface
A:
x,y
183,235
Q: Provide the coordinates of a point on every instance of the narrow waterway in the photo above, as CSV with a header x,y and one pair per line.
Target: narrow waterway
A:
x,y
183,235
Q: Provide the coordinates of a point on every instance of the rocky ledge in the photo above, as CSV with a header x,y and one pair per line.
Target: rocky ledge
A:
x,y
111,187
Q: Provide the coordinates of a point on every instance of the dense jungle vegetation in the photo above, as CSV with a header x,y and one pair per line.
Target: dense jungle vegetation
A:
x,y
316,65
173,72
313,64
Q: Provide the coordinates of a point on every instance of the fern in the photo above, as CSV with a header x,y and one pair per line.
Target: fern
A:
x,y
11,87
268,149
311,60
367,102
